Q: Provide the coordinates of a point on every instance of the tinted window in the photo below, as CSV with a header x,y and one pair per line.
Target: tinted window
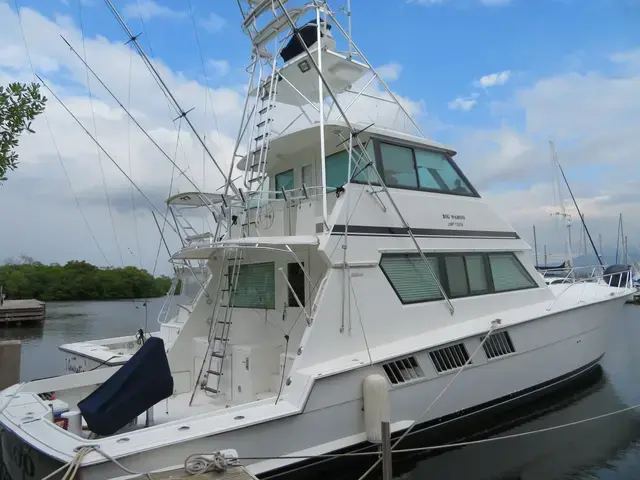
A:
x,y
284,180
435,172
295,275
508,273
466,274
399,168
411,278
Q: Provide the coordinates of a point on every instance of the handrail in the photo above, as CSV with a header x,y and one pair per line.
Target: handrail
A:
x,y
628,284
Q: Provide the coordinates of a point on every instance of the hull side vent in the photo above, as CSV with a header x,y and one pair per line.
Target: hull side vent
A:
x,y
403,370
449,358
498,345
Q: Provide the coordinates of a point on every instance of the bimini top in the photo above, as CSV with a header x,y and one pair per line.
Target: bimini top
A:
x,y
194,199
335,134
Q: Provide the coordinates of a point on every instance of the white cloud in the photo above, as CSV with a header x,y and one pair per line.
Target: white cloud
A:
x,y
594,119
464,104
148,9
494,79
390,71
219,67
213,23
50,206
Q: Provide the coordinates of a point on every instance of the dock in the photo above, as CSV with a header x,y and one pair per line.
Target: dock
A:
x,y
21,312
232,473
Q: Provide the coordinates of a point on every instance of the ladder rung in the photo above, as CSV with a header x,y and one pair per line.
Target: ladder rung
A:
x,y
266,109
257,179
217,354
260,137
210,390
213,372
264,122
221,339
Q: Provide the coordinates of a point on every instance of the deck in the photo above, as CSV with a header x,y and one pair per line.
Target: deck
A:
x,y
19,312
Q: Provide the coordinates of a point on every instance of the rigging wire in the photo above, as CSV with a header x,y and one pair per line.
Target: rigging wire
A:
x,y
95,132
206,77
133,202
181,112
55,145
164,223
102,148
130,115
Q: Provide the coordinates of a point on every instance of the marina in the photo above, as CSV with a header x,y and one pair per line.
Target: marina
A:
x,y
343,302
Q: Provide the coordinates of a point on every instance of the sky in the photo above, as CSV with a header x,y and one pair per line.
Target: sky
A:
x,y
494,79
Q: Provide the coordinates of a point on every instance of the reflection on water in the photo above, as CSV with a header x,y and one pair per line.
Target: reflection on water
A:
x,y
605,449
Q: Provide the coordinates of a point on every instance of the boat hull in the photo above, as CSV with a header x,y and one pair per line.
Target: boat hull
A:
x,y
569,345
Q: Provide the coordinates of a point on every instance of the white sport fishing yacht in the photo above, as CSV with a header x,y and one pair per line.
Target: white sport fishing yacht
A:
x,y
351,253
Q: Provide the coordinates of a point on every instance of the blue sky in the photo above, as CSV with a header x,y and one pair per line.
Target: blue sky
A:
x,y
496,79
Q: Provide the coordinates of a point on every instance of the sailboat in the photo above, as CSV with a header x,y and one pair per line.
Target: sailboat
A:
x,y
350,258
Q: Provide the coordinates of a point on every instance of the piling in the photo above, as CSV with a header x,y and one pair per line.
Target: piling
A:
x,y
10,351
387,462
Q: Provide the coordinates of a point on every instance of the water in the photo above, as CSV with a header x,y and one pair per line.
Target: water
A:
x,y
606,449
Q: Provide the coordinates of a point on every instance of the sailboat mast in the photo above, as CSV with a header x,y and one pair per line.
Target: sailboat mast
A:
x,y
535,244
555,157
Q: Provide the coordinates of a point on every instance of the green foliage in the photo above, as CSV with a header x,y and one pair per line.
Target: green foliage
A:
x,y
20,104
78,281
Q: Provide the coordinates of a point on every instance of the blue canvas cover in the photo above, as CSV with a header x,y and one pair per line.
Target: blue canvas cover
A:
x,y
140,383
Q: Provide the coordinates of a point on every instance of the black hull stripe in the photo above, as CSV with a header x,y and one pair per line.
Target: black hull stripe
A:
x,y
439,429
373,231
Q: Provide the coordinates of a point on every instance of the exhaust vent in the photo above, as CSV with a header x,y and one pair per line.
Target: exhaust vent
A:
x,y
402,371
498,345
449,358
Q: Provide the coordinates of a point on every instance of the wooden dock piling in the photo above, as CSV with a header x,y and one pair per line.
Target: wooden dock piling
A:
x,y
10,352
22,312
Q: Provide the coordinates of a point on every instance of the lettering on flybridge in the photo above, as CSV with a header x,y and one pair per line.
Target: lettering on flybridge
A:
x,y
454,220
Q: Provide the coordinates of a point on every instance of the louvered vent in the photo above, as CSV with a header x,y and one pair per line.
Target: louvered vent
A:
x,y
449,358
498,344
402,371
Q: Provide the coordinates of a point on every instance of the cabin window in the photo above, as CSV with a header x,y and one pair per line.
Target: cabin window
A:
x,y
508,273
295,275
436,173
307,176
255,287
398,166
460,275
284,180
361,172
477,273
410,277
456,275
337,168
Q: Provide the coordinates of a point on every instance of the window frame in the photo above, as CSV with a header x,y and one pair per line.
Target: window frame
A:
x,y
377,139
444,277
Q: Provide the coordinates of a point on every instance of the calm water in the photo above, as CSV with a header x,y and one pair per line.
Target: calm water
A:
x,y
605,449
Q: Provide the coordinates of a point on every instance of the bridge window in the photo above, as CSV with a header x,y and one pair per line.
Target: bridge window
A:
x,y
255,286
398,166
337,167
436,173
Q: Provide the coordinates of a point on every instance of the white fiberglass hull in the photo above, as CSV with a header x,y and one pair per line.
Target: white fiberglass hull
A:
x,y
570,343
